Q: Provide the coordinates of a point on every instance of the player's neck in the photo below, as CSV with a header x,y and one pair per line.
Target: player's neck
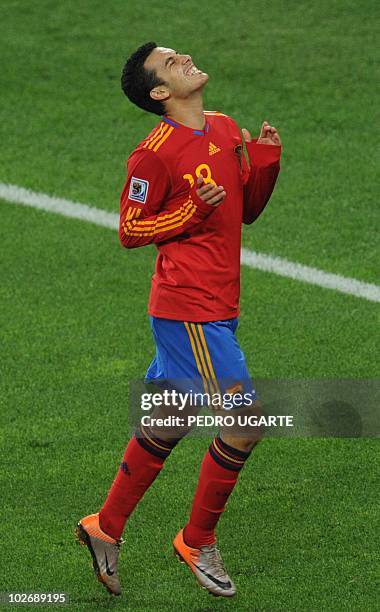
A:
x,y
188,112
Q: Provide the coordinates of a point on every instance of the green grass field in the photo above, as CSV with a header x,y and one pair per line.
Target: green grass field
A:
x,y
300,530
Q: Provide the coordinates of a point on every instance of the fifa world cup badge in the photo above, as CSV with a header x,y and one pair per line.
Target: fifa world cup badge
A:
x,y
138,190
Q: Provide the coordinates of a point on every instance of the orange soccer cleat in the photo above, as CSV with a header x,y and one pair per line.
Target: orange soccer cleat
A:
x,y
207,565
104,551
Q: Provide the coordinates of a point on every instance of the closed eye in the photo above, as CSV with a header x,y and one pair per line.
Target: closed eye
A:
x,y
170,60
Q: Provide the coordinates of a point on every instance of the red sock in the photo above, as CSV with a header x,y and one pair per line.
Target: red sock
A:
x,y
142,462
219,473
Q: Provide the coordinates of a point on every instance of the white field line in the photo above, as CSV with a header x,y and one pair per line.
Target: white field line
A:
x,y
266,263
313,276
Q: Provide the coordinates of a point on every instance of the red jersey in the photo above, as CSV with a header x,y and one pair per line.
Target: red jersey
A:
x,y
197,275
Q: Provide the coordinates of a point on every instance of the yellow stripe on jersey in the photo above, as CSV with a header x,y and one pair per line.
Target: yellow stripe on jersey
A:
x,y
162,222
183,208
132,213
161,142
156,135
150,138
131,230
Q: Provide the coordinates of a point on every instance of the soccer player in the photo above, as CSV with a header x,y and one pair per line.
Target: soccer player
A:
x,y
189,188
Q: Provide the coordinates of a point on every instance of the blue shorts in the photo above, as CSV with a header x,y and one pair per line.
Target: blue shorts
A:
x,y
205,355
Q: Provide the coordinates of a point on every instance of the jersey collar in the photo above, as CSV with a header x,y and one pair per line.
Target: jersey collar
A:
x,y
179,125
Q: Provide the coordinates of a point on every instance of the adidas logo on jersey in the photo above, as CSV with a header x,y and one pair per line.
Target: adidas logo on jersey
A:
x,y
212,149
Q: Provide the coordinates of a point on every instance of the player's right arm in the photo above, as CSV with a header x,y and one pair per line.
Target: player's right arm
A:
x,y
148,213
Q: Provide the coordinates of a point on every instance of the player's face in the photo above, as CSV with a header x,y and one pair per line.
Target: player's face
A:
x,y
177,71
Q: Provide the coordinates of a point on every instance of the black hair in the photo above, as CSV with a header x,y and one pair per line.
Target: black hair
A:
x,y
137,81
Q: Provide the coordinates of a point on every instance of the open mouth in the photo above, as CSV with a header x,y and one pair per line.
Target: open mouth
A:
x,y
192,70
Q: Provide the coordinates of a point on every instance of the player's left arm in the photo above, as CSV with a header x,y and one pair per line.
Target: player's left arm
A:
x,y
264,156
